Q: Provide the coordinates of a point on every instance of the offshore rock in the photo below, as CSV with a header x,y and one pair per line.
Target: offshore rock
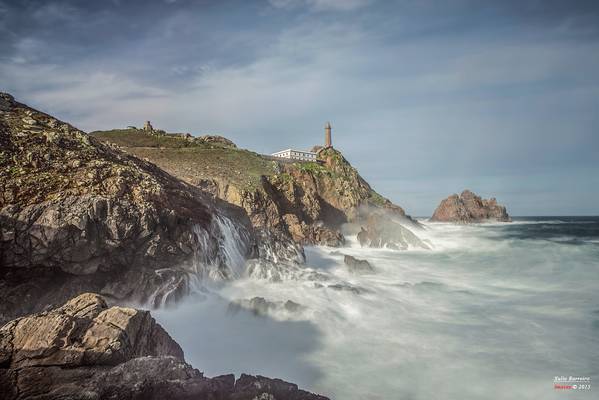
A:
x,y
85,350
356,265
261,306
468,208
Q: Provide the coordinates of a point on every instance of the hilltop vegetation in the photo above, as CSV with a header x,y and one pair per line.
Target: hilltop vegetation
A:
x,y
193,159
131,137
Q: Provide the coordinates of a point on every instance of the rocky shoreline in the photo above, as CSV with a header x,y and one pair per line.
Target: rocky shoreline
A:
x,y
81,213
78,215
86,350
141,218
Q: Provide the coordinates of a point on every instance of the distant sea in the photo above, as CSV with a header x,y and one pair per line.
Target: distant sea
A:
x,y
494,311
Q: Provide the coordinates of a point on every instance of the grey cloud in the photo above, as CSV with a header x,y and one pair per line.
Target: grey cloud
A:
x,y
424,98
321,5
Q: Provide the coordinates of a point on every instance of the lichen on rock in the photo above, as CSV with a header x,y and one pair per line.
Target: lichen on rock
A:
x,y
78,215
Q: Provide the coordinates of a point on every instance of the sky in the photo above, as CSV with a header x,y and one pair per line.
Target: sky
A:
x,y
426,98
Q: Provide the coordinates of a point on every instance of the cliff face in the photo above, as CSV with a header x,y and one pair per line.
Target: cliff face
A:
x,y
307,201
78,215
85,350
468,207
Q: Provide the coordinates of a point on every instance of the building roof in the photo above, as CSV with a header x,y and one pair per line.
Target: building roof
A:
x,y
299,151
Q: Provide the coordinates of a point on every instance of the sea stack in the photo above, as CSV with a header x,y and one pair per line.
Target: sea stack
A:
x,y
468,208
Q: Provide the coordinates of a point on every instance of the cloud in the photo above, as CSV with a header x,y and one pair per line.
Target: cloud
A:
x,y
87,99
415,102
321,5
55,13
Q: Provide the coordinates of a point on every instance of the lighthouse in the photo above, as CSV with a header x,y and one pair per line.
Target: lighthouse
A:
x,y
327,135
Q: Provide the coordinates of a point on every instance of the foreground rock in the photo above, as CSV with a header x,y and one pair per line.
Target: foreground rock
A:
x,y
468,208
85,350
356,265
382,231
78,215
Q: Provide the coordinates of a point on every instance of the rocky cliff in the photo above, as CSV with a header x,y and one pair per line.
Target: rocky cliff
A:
x,y
85,350
307,201
79,215
468,207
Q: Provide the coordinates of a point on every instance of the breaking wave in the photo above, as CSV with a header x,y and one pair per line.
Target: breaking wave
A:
x,y
219,255
224,258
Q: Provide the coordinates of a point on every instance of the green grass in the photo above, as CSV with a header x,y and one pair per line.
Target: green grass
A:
x,y
377,198
312,167
242,167
139,138
193,160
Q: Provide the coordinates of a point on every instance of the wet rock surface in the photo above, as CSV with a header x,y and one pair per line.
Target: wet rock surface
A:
x,y
357,266
381,231
262,306
281,271
346,287
85,350
468,207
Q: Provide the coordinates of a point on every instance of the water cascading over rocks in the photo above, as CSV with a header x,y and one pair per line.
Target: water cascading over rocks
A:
x,y
224,258
219,253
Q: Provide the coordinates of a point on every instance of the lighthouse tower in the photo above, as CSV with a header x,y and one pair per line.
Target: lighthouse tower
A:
x,y
327,135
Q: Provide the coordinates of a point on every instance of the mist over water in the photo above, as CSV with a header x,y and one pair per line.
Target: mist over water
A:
x,y
494,311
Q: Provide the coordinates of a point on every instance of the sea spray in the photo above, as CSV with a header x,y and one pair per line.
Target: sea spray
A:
x,y
219,255
233,245
489,307
278,248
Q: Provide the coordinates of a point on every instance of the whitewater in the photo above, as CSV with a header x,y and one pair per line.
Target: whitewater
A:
x,y
493,311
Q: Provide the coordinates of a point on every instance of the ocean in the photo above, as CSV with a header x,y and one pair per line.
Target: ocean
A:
x,y
493,311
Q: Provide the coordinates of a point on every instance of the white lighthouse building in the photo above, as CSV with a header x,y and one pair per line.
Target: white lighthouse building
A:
x,y
302,155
